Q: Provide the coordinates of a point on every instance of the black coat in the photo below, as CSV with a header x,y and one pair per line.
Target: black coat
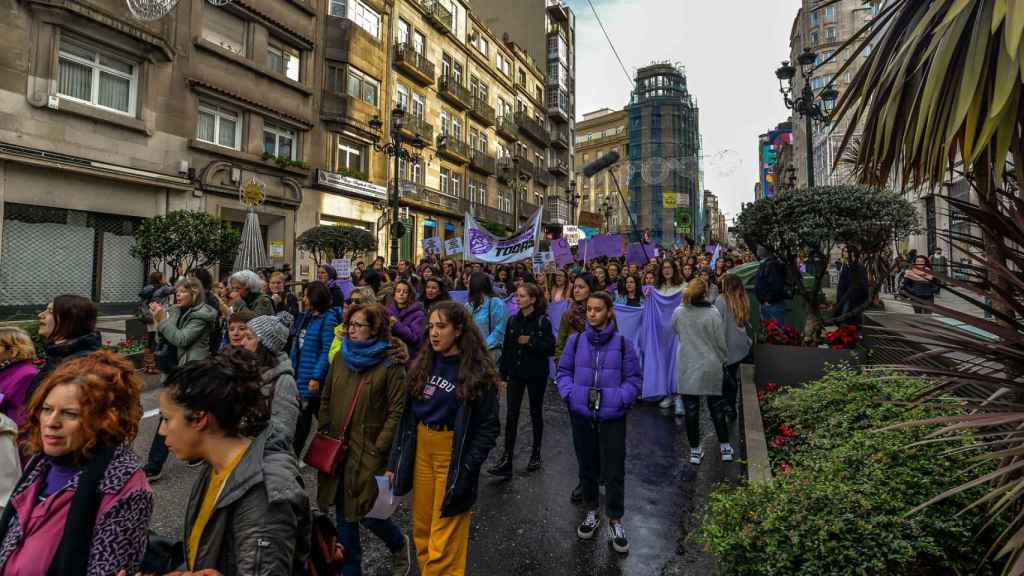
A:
x,y
476,432
527,362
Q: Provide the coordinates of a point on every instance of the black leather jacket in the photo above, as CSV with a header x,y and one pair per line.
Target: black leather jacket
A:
x,y
527,362
476,433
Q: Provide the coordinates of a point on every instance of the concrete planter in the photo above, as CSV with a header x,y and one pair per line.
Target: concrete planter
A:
x,y
795,365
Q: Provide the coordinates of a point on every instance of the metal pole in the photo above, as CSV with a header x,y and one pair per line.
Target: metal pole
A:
x,y
515,192
808,98
394,204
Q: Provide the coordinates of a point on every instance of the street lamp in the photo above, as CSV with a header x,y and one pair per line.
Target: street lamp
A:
x,y
517,188
394,149
573,199
808,106
606,210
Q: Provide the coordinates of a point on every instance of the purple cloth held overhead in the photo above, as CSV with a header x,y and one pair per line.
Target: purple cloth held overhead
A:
x,y
563,253
609,245
636,255
459,296
630,321
657,345
346,287
555,312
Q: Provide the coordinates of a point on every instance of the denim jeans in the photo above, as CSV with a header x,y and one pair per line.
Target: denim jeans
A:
x,y
774,311
348,535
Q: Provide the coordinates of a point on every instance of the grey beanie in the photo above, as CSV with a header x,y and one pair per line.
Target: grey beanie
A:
x,y
272,331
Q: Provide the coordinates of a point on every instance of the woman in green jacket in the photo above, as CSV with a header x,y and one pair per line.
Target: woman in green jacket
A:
x,y
369,373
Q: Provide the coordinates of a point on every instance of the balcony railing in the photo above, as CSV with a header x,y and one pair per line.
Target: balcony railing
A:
x,y
559,167
414,64
533,129
560,137
556,8
414,126
420,193
438,15
453,149
454,92
482,111
482,162
557,107
541,176
505,126
526,166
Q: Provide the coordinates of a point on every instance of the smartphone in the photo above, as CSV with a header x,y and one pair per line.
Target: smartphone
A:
x,y
594,399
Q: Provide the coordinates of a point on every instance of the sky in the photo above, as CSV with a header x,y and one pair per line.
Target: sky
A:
x,y
730,49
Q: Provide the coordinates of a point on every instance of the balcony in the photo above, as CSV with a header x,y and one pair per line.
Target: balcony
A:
x,y
542,177
557,10
556,103
345,110
526,166
414,126
532,129
456,94
452,149
413,64
482,111
482,162
506,128
560,167
482,211
560,137
438,15
526,209
428,197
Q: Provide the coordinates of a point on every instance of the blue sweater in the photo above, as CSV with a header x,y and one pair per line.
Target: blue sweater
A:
x,y
309,352
439,403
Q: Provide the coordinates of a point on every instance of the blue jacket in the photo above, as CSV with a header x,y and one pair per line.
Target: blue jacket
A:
x,y
490,319
612,358
309,354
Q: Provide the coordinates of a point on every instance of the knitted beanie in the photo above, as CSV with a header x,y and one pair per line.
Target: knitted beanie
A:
x,y
272,331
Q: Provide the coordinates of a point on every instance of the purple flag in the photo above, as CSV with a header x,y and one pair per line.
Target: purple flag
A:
x,y
562,252
710,248
657,345
609,245
636,254
459,296
585,251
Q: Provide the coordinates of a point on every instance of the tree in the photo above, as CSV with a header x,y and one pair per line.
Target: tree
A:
x,y
817,220
184,240
495,228
326,242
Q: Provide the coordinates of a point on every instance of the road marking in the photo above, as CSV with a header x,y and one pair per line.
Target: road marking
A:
x,y
150,413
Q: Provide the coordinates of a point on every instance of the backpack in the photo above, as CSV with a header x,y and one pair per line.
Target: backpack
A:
x,y
764,288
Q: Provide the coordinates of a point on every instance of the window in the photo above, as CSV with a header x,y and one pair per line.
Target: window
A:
x,y
350,155
418,106
830,14
456,189
483,143
362,86
419,43
402,97
471,190
830,34
284,60
522,77
224,29
483,46
417,172
820,82
814,18
457,73
457,128
445,177
446,122
814,38
336,79
95,78
403,32
278,141
474,138
503,64
481,192
823,56
355,10
218,125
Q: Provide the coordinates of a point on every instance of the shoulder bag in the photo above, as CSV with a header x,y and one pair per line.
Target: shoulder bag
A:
x,y
325,452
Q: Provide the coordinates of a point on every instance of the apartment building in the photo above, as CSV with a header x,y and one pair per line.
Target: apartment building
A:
x,y
598,133
106,120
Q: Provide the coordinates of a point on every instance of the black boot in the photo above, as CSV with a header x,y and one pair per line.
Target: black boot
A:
x,y
503,468
534,461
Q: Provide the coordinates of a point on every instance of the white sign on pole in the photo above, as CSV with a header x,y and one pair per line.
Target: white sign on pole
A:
x,y
453,246
548,256
432,245
573,235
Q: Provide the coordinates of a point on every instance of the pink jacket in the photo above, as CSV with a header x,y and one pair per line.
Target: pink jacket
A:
x,y
119,539
14,383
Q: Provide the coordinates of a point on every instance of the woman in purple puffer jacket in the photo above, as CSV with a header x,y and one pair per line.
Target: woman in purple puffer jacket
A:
x,y
407,318
599,378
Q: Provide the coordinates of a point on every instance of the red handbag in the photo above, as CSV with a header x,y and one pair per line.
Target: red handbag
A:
x,y
325,452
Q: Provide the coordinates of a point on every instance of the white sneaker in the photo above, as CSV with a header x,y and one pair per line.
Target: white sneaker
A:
x,y
680,409
589,525
726,452
617,537
696,455
666,402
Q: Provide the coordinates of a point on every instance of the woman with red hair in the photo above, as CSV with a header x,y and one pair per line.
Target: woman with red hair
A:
x,y
82,506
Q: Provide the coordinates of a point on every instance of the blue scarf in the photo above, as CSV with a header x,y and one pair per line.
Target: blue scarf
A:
x,y
361,355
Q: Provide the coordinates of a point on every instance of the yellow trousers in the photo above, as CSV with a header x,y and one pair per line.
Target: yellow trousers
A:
x,y
442,544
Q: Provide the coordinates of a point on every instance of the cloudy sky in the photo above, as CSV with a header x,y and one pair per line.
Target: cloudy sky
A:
x,y
730,49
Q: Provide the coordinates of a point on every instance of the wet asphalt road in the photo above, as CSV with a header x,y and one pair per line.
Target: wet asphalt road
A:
x,y
527,526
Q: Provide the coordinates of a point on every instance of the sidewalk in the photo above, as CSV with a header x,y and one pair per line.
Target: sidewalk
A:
x,y
945,298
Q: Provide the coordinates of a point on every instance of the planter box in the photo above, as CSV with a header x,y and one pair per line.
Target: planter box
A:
x,y
795,365
137,360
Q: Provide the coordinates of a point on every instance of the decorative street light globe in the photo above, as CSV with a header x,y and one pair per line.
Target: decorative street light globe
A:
x,y
149,10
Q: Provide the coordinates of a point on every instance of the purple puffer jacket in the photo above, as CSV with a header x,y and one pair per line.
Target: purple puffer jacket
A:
x,y
612,356
15,380
409,322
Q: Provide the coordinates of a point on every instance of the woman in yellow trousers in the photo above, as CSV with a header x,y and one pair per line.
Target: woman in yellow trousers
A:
x,y
449,426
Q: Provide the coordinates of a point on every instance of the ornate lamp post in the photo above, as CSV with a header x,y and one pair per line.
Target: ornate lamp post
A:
x,y
606,210
395,149
573,199
519,185
807,105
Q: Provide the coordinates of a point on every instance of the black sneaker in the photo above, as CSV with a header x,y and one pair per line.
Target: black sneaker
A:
x,y
577,494
617,537
589,525
534,464
503,468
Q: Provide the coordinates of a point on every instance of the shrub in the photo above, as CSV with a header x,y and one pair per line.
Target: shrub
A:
x,y
840,500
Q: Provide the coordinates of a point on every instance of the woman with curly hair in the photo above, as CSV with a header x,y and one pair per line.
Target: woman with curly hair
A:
x,y
82,506
248,512
449,426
